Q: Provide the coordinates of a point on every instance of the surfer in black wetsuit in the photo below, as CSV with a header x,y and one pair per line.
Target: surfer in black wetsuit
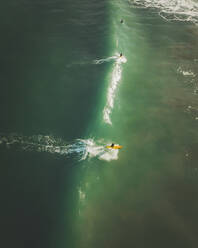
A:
x,y
120,54
112,145
121,21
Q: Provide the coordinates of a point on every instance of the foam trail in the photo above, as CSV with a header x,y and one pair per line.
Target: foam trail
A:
x,y
101,61
80,148
43,143
115,78
180,10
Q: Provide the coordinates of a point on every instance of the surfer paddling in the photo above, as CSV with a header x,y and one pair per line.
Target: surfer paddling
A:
x,y
113,146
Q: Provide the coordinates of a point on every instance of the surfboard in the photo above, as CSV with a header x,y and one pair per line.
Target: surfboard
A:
x,y
114,147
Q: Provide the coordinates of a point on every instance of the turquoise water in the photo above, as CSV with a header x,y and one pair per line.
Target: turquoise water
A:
x,y
66,94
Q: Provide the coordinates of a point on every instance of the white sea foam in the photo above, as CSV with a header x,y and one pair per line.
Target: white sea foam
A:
x,y
98,150
81,149
180,10
115,79
101,61
191,77
187,73
43,143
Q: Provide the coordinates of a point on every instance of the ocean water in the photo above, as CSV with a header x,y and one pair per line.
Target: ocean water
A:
x,y
66,93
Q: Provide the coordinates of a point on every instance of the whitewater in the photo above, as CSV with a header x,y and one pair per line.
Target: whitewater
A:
x,y
177,10
79,149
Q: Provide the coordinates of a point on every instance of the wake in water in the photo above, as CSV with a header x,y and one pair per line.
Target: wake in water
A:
x,y
80,148
180,10
101,61
115,79
86,61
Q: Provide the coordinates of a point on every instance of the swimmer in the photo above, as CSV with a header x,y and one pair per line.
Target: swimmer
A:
x,y
121,21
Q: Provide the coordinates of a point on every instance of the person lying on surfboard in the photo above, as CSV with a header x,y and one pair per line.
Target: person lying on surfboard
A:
x,y
113,146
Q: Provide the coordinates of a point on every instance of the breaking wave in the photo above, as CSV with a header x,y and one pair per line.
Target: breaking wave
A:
x,y
115,79
179,10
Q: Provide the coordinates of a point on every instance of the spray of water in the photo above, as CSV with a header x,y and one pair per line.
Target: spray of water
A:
x,y
80,149
98,150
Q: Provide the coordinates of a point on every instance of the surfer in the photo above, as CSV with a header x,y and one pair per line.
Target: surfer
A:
x,y
121,21
113,146
120,55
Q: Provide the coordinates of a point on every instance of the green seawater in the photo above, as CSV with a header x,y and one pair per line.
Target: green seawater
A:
x,y
60,71
147,197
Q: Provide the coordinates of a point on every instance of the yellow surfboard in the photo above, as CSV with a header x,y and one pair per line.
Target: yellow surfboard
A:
x,y
114,147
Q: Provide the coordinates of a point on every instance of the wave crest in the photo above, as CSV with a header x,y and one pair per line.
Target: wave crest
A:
x,y
115,79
